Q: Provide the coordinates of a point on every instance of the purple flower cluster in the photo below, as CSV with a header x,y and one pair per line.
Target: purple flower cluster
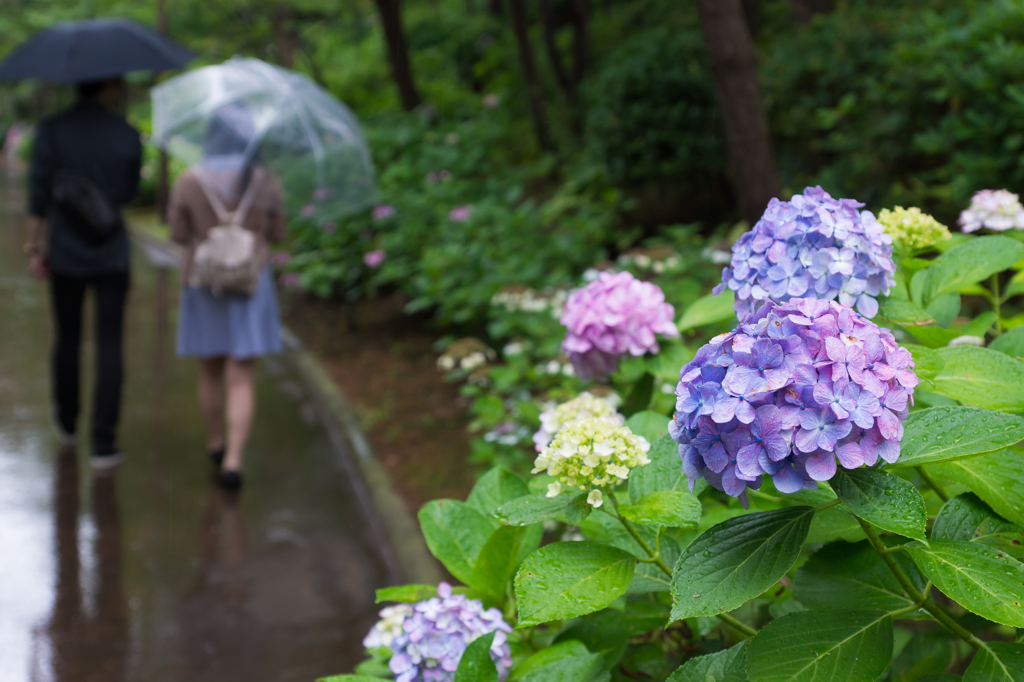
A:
x,y
437,633
812,246
795,387
614,315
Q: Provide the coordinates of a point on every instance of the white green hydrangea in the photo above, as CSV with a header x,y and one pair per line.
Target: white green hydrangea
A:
x,y
590,454
584,406
388,627
912,227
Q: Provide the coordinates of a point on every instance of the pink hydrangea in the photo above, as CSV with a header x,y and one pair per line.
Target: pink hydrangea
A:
x,y
614,315
308,210
383,212
374,258
460,214
280,258
331,227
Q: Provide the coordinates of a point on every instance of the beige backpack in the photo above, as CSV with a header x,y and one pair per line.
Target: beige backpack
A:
x,y
227,260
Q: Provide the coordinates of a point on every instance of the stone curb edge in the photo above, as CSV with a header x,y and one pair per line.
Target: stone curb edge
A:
x,y
403,548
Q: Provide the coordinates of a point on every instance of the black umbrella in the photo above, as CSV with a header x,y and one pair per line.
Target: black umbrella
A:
x,y
84,51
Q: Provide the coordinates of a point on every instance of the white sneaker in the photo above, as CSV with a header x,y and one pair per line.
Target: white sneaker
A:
x,y
105,463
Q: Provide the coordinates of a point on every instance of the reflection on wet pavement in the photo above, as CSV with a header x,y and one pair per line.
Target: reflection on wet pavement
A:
x,y
154,574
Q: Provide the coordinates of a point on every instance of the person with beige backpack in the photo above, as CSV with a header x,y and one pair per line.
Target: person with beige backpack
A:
x,y
225,211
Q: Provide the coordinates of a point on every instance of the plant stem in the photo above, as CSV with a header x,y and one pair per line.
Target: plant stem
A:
x,y
944,619
826,505
660,563
932,483
997,303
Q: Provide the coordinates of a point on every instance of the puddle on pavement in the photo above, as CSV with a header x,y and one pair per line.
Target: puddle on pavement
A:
x,y
153,574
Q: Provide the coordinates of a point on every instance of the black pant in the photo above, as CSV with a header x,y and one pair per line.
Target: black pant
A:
x,y
68,296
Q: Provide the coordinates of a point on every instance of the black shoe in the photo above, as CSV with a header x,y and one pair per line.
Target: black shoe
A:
x,y
217,457
230,480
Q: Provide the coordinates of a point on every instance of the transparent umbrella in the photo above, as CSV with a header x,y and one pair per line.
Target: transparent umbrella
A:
x,y
226,119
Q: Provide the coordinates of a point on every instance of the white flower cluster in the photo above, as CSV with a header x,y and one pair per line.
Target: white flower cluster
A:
x,y
553,368
466,355
531,300
584,406
657,259
996,209
388,627
592,454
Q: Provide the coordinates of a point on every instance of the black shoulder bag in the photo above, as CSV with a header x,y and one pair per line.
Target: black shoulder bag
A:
x,y
89,210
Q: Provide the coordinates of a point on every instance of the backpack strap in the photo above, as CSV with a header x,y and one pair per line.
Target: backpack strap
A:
x,y
224,216
249,197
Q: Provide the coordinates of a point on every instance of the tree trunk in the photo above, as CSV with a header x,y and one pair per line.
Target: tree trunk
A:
x,y
285,37
554,56
398,53
734,69
534,90
803,10
580,43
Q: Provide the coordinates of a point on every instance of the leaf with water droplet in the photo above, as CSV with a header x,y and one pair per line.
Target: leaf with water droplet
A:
x,y
975,576
883,500
810,646
997,478
938,434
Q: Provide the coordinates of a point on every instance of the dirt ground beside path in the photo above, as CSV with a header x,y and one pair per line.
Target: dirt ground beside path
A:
x,y
384,363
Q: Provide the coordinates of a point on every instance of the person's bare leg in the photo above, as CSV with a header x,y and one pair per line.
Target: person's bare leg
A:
x,y
211,401
241,406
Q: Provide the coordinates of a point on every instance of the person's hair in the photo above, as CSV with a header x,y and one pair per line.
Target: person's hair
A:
x,y
89,89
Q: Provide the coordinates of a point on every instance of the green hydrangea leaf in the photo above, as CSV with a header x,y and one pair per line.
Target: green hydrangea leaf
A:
x,y
981,377
937,434
883,500
1011,343
497,561
708,310
997,478
664,508
548,655
604,632
569,579
971,262
650,578
852,576
737,560
573,669
663,473
809,646
455,532
407,594
902,312
975,576
650,425
476,664
723,666
494,489
997,662
960,517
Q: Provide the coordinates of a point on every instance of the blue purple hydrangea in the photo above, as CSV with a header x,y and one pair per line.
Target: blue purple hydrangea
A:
x,y
436,633
794,388
812,246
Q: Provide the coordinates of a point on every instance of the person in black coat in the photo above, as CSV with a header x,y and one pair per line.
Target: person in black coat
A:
x,y
90,139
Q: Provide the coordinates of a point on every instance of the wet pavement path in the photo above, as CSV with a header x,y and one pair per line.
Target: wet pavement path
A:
x,y
154,574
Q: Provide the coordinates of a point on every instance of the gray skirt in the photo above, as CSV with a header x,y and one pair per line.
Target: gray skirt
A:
x,y
230,325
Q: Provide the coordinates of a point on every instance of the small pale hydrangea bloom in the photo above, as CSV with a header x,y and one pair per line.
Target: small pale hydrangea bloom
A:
x,y
460,214
466,354
996,209
374,258
589,454
584,406
491,101
388,627
383,212
308,211
280,258
437,633
614,315
913,228
291,280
